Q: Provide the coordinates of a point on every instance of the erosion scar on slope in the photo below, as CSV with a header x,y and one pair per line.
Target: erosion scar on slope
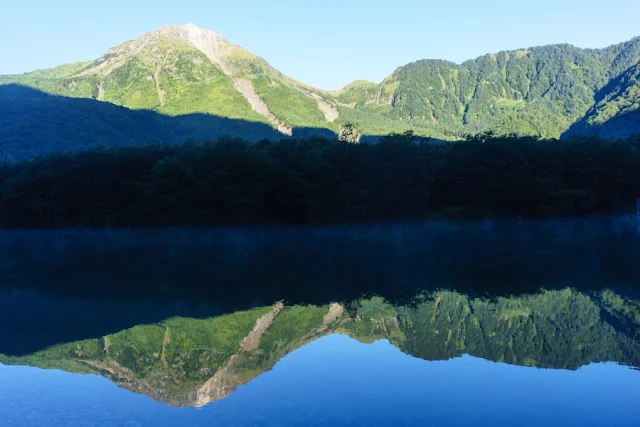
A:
x,y
336,311
252,341
159,91
100,92
225,380
165,342
245,87
331,113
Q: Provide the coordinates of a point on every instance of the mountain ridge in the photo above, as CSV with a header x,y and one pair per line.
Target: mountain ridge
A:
x,y
496,91
544,91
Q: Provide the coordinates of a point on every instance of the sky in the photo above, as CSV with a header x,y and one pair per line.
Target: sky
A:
x,y
326,44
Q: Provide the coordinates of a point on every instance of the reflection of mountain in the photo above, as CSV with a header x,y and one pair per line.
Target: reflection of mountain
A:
x,y
190,362
559,329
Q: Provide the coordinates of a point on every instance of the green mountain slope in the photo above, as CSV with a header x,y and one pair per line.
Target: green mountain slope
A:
x,y
183,70
617,113
538,91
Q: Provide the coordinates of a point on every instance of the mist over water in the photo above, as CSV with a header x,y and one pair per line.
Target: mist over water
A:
x,y
239,267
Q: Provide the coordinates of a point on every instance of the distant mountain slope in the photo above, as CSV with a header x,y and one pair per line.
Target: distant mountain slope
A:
x,y
537,91
617,112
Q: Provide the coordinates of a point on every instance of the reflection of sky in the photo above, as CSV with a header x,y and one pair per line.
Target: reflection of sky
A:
x,y
338,381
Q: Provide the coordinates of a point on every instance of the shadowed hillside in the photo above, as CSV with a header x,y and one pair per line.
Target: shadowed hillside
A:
x,y
616,113
34,123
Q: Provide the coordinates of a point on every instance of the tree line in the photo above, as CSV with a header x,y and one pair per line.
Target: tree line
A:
x,y
316,180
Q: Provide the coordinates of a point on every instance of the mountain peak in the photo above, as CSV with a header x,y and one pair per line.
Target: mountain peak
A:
x,y
196,29
190,33
174,59
213,45
191,25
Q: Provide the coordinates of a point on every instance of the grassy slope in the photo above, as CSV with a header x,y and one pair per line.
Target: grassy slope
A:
x,y
58,81
187,83
288,104
291,106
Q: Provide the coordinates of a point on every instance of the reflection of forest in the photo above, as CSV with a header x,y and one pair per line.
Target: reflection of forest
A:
x,y
234,267
191,362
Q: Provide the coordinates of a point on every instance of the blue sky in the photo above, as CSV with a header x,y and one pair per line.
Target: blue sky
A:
x,y
323,43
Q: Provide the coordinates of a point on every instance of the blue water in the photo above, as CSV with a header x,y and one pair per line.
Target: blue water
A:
x,y
339,381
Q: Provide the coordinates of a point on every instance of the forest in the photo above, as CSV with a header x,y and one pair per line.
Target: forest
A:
x,y
317,180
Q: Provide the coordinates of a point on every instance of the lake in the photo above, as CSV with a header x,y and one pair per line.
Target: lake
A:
x,y
501,323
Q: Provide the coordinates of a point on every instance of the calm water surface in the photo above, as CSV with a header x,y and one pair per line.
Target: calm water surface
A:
x,y
468,323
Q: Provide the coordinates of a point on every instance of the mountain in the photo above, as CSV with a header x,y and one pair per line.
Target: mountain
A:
x,y
179,71
176,72
537,91
617,111
193,362
183,70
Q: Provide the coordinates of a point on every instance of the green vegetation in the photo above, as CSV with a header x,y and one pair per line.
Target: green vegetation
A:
x,y
34,123
546,92
174,78
173,360
132,86
167,360
541,91
360,93
291,106
292,323
618,111
294,327
373,319
208,91
559,329
316,180
170,76
63,80
374,120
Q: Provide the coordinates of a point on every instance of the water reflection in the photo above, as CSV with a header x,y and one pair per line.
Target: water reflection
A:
x,y
192,362
337,381
186,317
